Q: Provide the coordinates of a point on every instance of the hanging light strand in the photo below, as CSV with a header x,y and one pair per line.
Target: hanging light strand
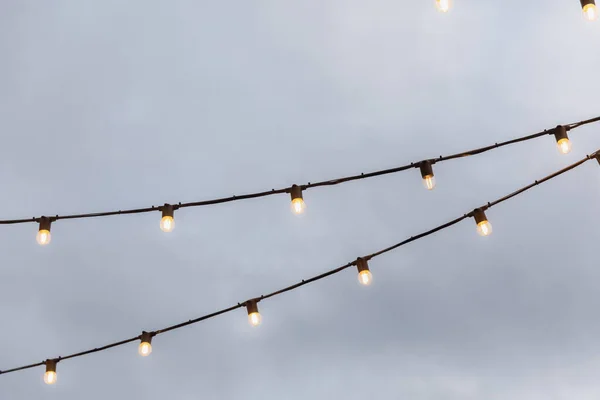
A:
x,y
293,190
360,263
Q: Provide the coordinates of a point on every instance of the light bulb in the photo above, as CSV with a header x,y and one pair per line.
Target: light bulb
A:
x,y
167,224
298,205
427,174
50,374
429,182
562,139
43,237
443,5
365,277
50,377
564,146
484,228
590,12
145,349
253,314
254,318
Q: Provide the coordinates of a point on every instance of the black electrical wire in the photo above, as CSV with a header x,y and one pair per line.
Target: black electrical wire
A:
x,y
587,121
306,186
595,155
539,181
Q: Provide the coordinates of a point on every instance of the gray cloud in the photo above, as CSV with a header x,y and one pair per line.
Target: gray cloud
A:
x,y
118,105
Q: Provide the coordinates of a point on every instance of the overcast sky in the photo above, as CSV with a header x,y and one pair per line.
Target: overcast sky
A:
x,y
115,104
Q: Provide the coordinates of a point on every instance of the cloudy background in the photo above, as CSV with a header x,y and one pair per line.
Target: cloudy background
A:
x,y
112,104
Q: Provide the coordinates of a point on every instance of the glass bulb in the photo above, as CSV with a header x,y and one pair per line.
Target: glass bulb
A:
x,y
145,349
564,145
443,5
167,224
484,228
429,182
298,206
590,12
254,318
43,237
50,377
365,277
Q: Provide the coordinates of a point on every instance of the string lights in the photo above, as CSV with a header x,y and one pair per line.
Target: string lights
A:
x,y
589,9
298,205
361,264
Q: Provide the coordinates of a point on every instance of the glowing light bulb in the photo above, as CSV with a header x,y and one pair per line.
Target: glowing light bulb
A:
x,y
429,182
145,349
562,139
364,275
43,237
427,174
564,146
484,228
167,224
590,12
298,205
253,315
365,278
443,5
254,318
50,376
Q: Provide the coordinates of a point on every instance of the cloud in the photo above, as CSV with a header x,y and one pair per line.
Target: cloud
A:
x,y
112,105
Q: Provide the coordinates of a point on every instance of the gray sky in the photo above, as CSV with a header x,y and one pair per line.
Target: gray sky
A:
x,y
118,104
